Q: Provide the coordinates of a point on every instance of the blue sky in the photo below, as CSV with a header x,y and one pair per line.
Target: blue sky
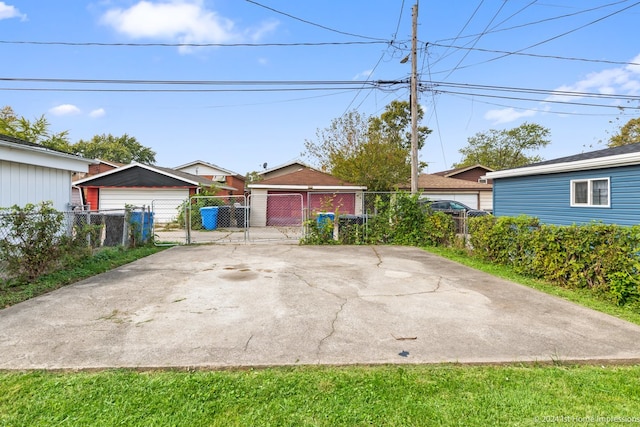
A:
x,y
483,64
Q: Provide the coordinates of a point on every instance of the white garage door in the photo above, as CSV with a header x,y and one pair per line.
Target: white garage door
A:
x,y
470,200
166,203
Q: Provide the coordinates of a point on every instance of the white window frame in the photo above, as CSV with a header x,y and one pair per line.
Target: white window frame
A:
x,y
589,203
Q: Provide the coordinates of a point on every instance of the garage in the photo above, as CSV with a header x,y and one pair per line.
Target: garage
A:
x,y
161,189
165,203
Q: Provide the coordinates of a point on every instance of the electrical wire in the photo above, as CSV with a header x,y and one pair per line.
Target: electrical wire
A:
x,y
584,104
539,21
566,58
100,44
458,67
312,23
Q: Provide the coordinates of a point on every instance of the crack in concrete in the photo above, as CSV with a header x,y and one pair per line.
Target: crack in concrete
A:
x,y
407,294
246,345
335,317
333,327
377,255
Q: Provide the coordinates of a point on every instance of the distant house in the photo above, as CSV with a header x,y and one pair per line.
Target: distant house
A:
x,y
99,166
136,184
474,194
220,176
600,185
282,169
475,173
31,173
289,198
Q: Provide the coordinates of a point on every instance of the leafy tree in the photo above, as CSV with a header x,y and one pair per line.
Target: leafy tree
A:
x,y
629,134
505,149
36,131
122,149
371,151
376,164
394,125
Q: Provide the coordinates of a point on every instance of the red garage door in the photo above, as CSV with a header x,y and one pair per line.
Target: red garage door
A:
x,y
339,203
285,209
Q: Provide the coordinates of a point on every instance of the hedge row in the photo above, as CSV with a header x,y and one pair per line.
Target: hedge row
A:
x,y
602,257
392,219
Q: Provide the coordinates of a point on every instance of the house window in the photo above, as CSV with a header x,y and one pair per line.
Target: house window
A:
x,y
590,192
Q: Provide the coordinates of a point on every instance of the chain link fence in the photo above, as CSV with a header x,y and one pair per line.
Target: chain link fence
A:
x,y
22,229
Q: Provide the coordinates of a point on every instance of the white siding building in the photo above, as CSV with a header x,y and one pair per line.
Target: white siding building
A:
x,y
31,173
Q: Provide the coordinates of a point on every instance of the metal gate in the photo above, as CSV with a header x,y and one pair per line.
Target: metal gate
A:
x,y
276,217
229,219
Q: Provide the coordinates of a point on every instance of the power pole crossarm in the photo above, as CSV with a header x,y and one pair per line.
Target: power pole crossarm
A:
x,y
414,101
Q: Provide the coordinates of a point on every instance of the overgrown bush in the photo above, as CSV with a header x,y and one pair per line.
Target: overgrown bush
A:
x,y
36,241
604,258
396,219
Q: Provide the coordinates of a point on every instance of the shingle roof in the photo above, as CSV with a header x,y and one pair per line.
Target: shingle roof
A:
x,y
623,149
436,182
19,141
460,170
305,176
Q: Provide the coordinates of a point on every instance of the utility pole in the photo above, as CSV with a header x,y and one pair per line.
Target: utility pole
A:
x,y
413,100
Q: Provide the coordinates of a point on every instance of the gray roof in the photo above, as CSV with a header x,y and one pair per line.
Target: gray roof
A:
x,y
623,149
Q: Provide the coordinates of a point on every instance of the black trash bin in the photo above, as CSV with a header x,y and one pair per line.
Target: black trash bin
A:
x,y
350,227
224,216
114,230
242,216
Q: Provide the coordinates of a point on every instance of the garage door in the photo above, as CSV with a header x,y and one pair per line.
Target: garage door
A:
x,y
470,200
166,203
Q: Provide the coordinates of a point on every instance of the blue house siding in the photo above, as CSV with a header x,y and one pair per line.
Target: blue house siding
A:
x,y
548,197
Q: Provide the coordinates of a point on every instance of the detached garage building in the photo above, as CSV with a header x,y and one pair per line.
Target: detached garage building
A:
x,y
290,198
162,189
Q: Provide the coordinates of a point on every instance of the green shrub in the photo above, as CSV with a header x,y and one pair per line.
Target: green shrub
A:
x,y
395,219
604,258
34,241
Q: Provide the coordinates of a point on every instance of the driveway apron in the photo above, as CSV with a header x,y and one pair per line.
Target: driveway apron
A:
x,y
220,306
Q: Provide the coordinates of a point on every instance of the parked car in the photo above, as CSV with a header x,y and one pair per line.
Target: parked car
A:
x,y
452,207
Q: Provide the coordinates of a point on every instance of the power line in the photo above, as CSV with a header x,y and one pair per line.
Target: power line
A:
x,y
536,110
203,82
302,89
100,44
433,85
458,67
476,40
312,23
584,104
539,21
566,58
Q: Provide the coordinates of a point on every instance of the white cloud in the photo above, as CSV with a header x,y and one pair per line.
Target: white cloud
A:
x,y
621,80
7,11
507,115
624,80
100,112
181,21
363,75
65,110
635,69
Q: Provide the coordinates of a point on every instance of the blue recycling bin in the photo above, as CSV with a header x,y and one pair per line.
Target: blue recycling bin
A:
x,y
209,217
142,223
325,219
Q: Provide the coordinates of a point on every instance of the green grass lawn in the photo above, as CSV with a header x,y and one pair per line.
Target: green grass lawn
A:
x,y
325,396
104,260
406,395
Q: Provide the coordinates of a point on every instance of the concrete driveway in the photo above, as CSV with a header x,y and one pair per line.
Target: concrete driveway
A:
x,y
259,305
